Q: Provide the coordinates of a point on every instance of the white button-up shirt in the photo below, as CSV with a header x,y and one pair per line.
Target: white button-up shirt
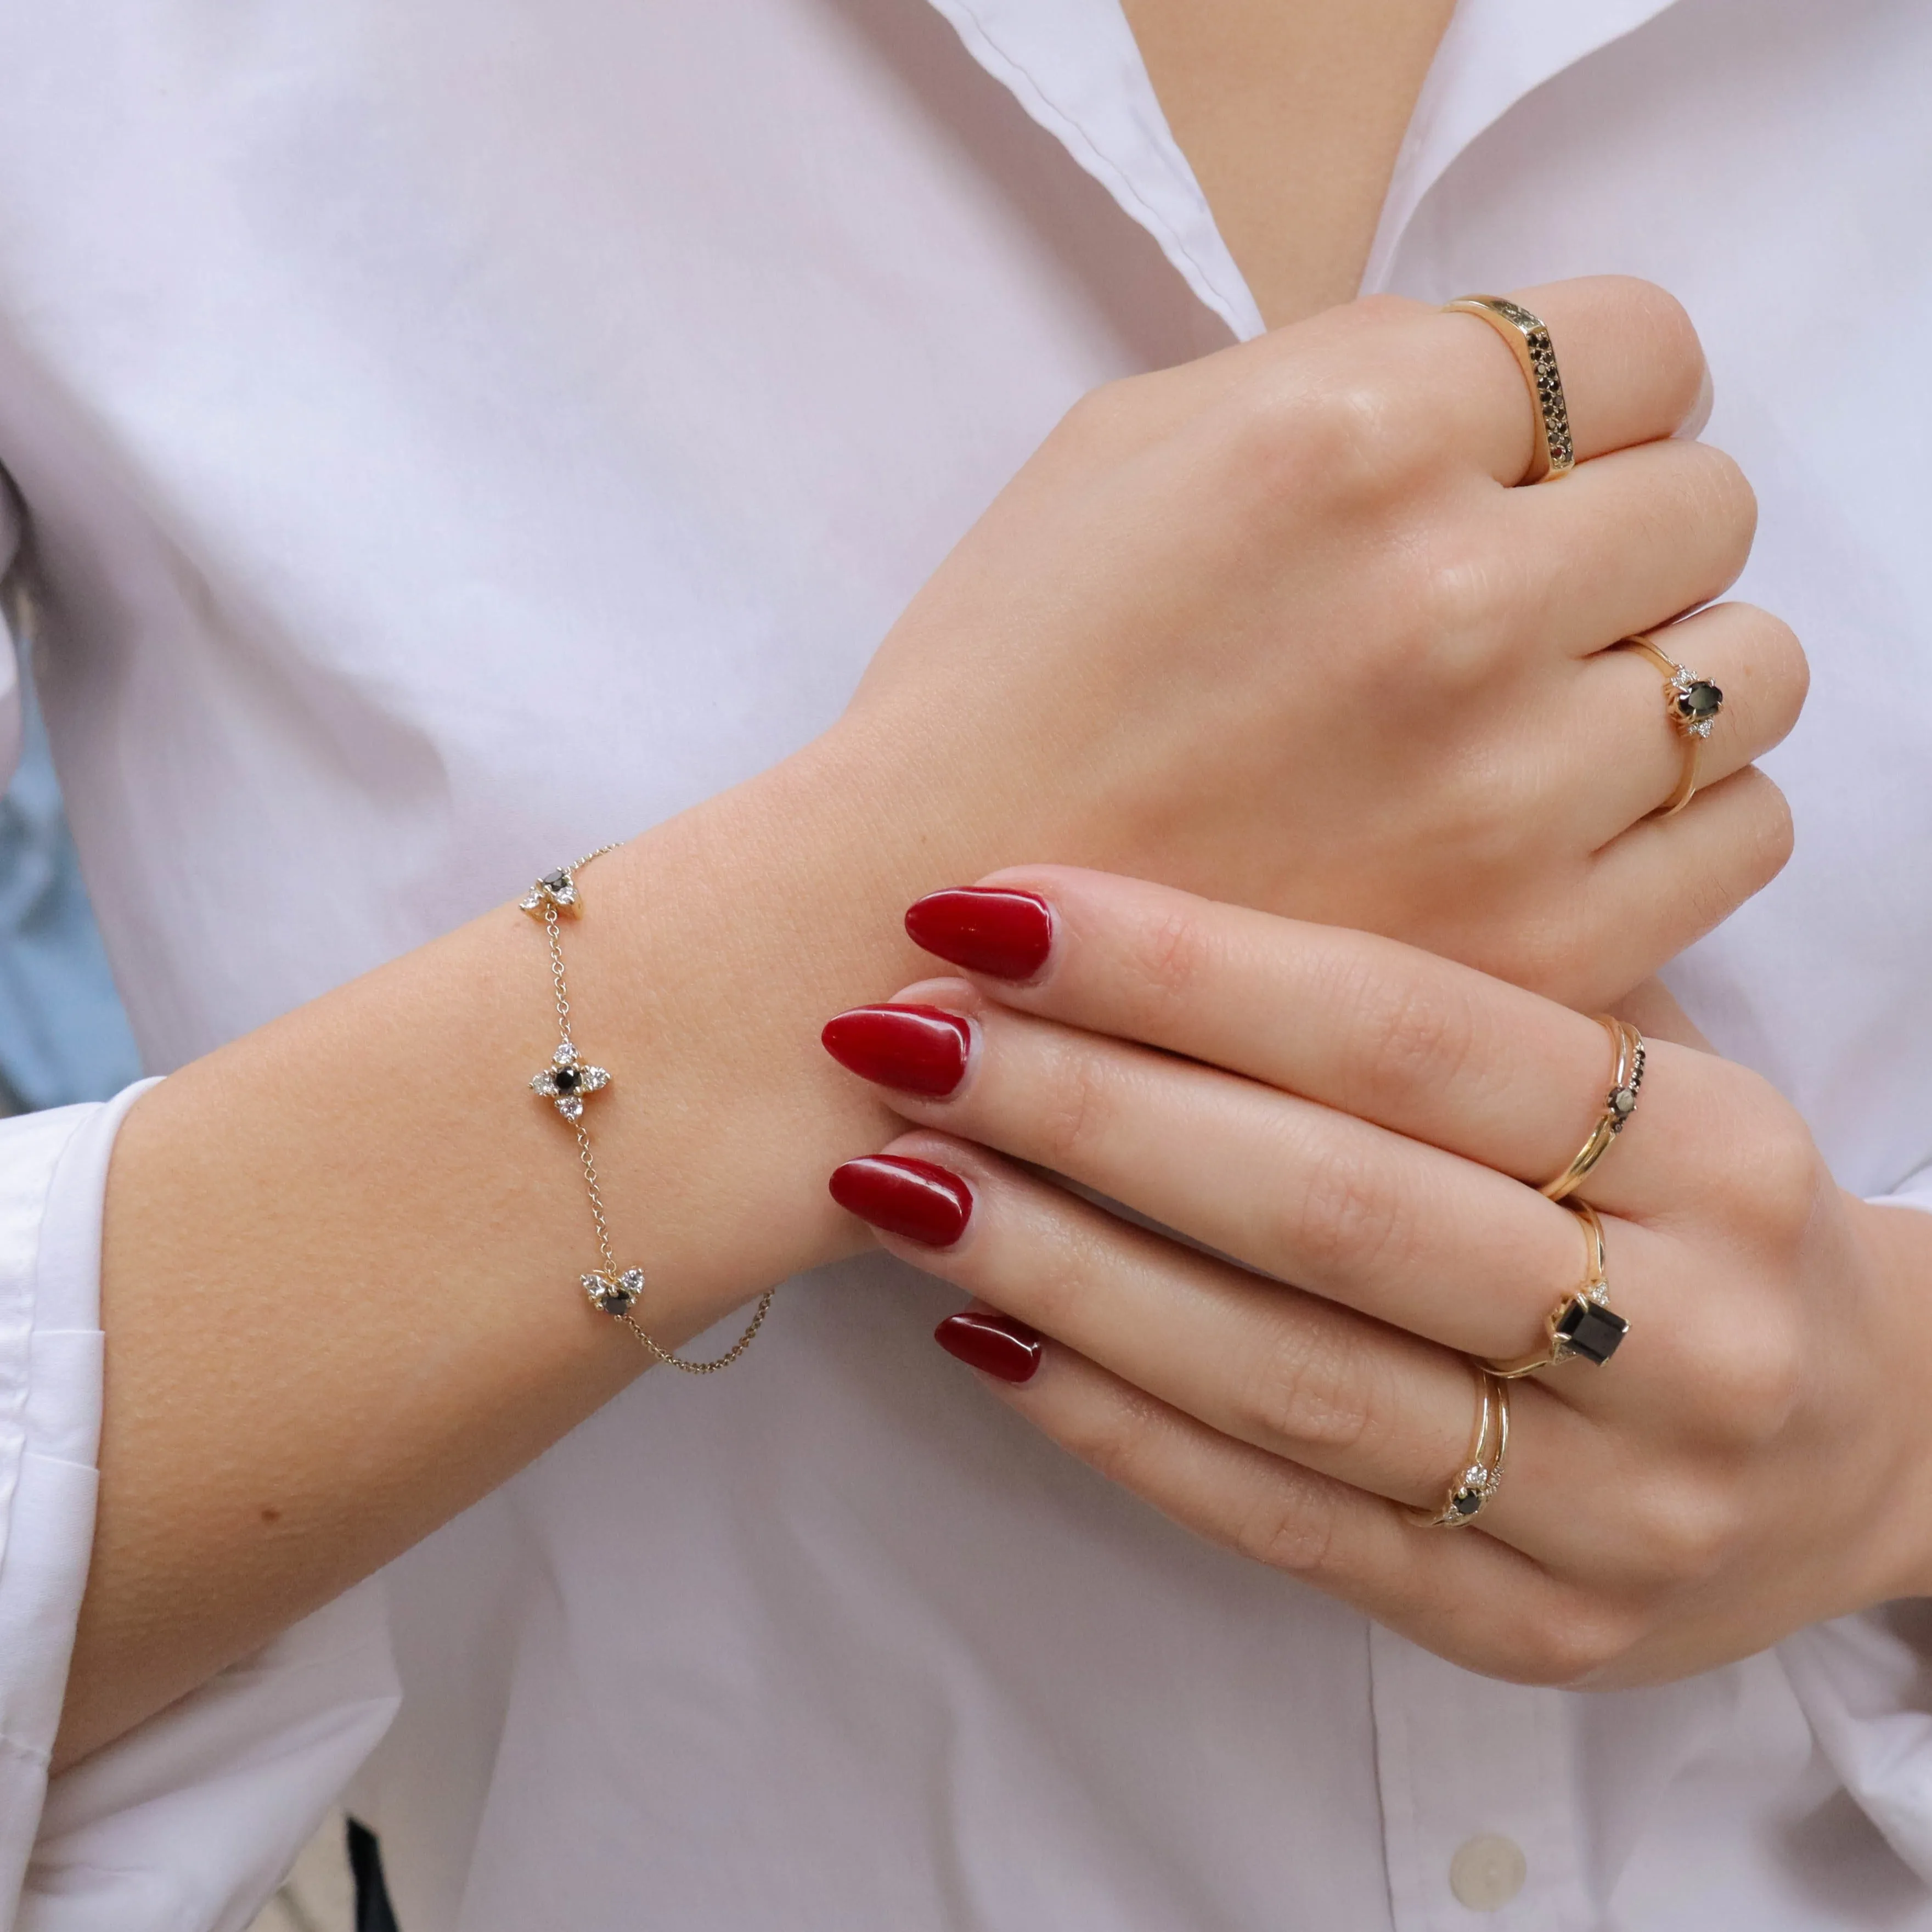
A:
x,y
397,393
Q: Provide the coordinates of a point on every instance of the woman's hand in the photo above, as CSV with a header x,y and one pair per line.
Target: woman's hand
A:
x,y
1273,627
1270,627
1369,1124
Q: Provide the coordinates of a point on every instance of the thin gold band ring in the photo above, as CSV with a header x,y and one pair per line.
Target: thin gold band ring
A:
x,y
1619,1104
1479,1481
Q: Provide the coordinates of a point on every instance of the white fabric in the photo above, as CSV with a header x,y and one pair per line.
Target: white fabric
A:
x,y
458,434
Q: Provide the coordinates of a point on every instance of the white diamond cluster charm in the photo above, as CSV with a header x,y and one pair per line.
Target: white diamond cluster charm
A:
x,y
565,1083
566,1080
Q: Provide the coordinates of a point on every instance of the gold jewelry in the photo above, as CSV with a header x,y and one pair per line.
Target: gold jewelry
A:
x,y
1473,1488
1692,703
1619,1104
1582,1323
1528,338
565,1083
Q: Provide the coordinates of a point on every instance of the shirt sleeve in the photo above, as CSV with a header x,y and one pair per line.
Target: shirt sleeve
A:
x,y
187,1823
1865,1685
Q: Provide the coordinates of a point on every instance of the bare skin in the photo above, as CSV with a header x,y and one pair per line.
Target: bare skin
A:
x,y
262,1451
1292,113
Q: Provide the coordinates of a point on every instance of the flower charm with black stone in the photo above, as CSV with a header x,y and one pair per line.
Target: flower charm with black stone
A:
x,y
555,891
1695,703
566,1080
612,1294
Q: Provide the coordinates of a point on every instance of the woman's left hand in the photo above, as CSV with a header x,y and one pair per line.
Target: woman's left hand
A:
x,y
1371,1124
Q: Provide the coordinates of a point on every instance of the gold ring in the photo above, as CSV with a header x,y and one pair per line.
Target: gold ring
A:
x,y
1528,338
1692,703
1582,1323
1476,1484
1619,1104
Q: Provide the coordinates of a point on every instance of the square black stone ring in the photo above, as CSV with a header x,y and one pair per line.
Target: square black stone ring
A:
x,y
1579,1326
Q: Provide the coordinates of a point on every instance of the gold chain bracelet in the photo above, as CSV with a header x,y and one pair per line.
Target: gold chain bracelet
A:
x,y
566,1083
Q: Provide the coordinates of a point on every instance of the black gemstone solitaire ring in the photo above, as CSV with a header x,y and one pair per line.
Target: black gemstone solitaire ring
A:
x,y
1691,703
1583,1323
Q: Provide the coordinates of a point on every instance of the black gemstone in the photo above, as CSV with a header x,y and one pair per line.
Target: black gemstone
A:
x,y
555,882
1590,1330
1466,1502
566,1079
1698,701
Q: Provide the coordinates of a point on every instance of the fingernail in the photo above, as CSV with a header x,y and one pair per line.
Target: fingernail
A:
x,y
917,1049
916,1198
996,1343
1007,934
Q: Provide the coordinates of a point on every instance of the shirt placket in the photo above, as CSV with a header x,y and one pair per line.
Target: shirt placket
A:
x,y
1482,1814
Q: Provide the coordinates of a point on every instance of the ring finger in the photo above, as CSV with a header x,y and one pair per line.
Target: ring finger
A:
x,y
1624,737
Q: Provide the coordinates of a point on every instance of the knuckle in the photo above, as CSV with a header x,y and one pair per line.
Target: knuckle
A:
x,y
1455,592
1291,1529
1688,1537
1062,1266
1415,1037
1344,1216
1114,1438
1308,1390
1073,1111
1334,433
1779,1164
1164,970
1577,1640
1757,1379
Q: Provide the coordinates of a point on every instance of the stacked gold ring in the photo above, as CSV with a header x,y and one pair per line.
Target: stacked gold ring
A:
x,y
1583,1323
1528,336
1692,704
1483,1476
1619,1104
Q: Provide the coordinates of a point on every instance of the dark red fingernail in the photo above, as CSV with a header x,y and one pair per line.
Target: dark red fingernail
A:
x,y
916,1198
917,1049
1007,934
996,1343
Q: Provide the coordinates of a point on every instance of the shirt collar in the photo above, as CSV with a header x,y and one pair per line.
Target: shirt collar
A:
x,y
1073,65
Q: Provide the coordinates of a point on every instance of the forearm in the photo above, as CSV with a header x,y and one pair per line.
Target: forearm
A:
x,y
341,1255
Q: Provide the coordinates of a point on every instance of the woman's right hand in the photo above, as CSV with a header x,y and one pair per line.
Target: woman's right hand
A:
x,y
1273,626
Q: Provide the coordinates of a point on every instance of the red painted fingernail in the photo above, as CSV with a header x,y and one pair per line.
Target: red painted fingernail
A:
x,y
1007,934
996,1343
917,1198
917,1049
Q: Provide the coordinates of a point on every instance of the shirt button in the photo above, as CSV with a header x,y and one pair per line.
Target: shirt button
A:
x,y
1488,1872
